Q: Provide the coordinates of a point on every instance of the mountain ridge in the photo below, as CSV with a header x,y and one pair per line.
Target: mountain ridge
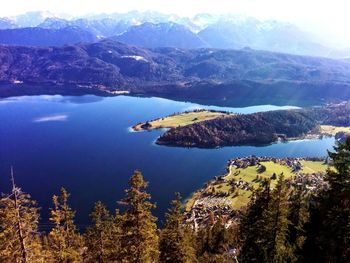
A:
x,y
108,66
202,30
37,36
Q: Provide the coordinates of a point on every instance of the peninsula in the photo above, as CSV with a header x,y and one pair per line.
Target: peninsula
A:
x,y
261,128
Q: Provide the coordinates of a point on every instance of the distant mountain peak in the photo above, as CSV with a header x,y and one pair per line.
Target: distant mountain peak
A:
x,y
227,31
161,35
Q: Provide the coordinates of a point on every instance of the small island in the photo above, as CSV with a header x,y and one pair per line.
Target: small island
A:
x,y
229,194
180,119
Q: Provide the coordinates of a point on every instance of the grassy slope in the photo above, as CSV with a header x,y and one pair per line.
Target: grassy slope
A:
x,y
181,119
313,167
241,197
332,130
250,173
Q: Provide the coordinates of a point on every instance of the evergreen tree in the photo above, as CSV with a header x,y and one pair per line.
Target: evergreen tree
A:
x,y
103,237
65,243
202,241
264,227
19,239
139,241
216,258
298,216
250,232
176,245
328,232
275,224
216,242
220,237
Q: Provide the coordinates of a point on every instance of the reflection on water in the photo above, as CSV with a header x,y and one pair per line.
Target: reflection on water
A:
x,y
248,102
55,117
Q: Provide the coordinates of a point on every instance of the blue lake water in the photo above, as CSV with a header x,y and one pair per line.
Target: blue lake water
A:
x,y
85,144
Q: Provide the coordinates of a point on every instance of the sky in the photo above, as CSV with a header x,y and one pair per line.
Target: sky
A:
x,y
328,17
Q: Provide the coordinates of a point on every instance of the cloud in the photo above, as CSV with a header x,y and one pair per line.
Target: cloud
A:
x,y
49,118
9,100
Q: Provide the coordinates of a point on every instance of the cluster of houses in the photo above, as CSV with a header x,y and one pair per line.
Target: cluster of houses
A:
x,y
240,184
293,163
210,205
310,182
207,210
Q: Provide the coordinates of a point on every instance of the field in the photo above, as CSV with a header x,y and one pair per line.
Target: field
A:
x,y
333,130
250,173
313,167
181,119
253,176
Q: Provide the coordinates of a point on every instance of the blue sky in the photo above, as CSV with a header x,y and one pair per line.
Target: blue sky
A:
x,y
324,16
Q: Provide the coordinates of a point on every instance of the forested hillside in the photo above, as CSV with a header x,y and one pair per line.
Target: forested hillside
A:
x,y
257,128
107,66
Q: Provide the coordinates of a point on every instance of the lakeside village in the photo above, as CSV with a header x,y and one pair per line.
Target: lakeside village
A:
x,y
226,196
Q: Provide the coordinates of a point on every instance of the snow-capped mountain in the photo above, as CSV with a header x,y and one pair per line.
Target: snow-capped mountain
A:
x,y
161,35
102,28
32,19
154,29
262,35
6,23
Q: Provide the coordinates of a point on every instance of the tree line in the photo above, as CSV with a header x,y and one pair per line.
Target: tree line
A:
x,y
281,224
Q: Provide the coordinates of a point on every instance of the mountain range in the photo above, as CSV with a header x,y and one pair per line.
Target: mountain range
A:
x,y
161,35
37,36
152,29
109,66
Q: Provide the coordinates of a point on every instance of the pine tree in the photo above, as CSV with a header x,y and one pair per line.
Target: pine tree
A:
x,y
298,216
275,224
216,242
65,243
19,218
250,231
103,237
175,240
139,241
328,233
202,241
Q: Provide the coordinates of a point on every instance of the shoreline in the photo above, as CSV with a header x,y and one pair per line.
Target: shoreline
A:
x,y
262,128
310,137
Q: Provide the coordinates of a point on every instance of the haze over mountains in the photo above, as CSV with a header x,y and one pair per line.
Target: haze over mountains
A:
x,y
205,57
152,29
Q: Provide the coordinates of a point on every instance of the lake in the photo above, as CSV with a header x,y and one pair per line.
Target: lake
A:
x,y
85,144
